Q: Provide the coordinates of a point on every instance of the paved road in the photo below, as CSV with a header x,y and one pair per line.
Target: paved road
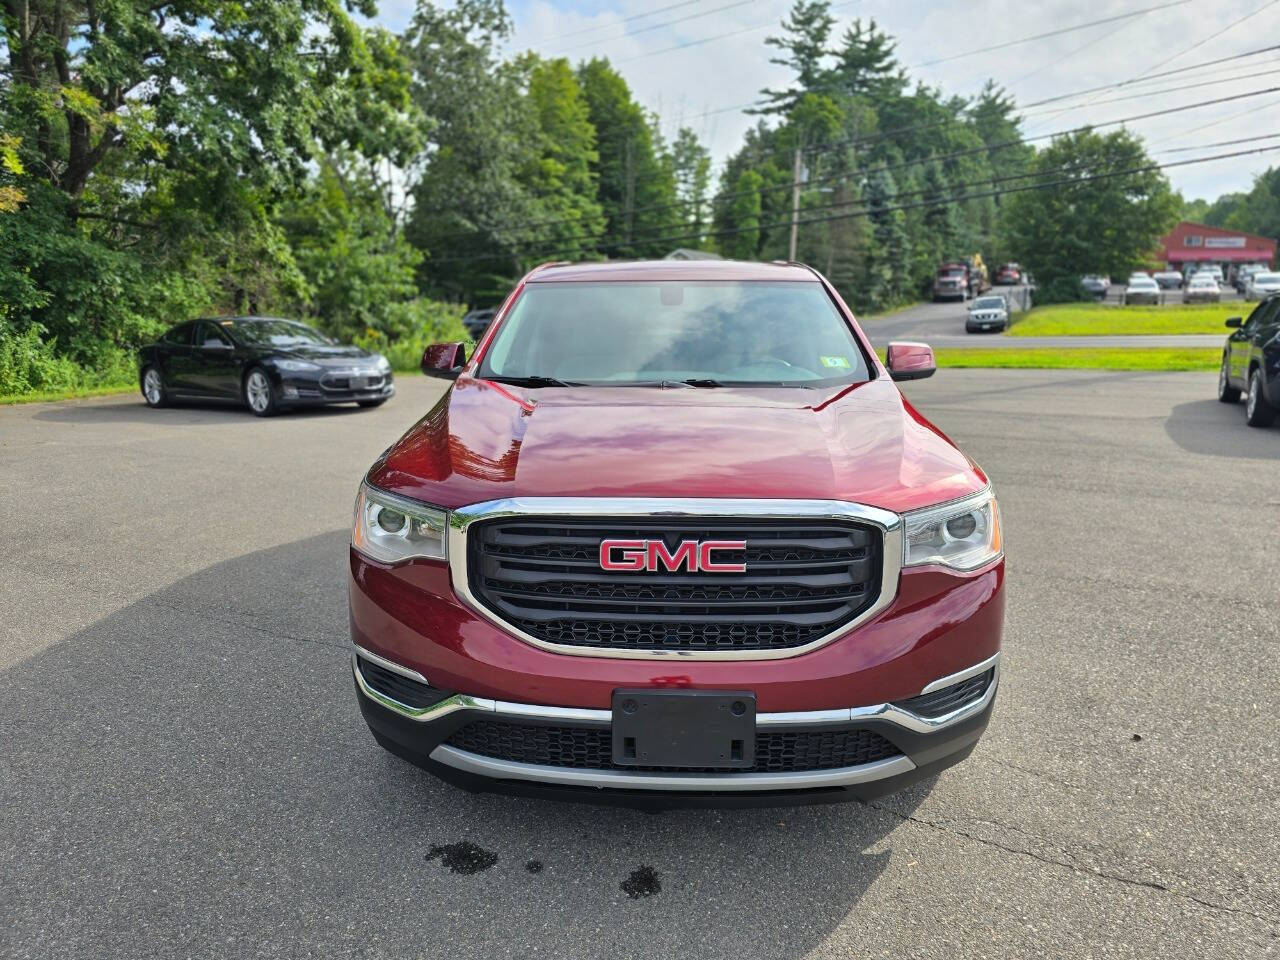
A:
x,y
941,325
183,771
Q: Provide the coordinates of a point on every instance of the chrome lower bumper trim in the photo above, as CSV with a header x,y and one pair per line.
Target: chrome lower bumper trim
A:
x,y
802,718
701,782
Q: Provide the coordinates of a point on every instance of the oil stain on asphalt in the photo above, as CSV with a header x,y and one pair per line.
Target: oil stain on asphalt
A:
x,y
534,866
644,881
464,857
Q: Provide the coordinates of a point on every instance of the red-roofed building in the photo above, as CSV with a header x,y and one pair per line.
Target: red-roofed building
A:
x,y
1193,243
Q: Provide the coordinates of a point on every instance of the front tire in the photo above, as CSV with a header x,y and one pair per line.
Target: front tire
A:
x,y
1226,392
153,391
1257,411
259,394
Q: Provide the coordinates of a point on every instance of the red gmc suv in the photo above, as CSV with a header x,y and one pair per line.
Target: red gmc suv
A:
x,y
674,536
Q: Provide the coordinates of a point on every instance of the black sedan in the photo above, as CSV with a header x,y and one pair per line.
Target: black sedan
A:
x,y
266,363
1251,364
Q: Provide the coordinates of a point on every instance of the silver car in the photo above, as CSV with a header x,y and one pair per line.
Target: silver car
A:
x,y
1142,289
1261,285
987,313
1202,289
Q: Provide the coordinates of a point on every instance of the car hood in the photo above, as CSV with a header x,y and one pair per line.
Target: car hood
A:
x,y
341,354
863,443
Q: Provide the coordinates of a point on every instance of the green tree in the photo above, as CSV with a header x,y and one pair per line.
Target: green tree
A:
x,y
1259,211
887,280
561,179
744,214
691,165
1105,225
866,65
635,179
804,50
470,193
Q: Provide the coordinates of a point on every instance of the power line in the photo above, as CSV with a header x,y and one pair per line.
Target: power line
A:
x,y
720,36
890,208
634,16
658,26
1155,93
1051,33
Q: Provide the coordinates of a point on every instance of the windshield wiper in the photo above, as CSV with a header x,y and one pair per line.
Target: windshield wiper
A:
x,y
535,381
702,382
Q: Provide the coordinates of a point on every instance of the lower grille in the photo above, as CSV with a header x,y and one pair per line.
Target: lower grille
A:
x,y
332,382
402,689
591,748
943,701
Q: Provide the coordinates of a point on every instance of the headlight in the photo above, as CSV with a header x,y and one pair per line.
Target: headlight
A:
x,y
963,534
382,363
296,366
389,529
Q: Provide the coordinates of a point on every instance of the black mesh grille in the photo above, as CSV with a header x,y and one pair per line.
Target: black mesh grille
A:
x,y
591,748
950,698
804,578
399,687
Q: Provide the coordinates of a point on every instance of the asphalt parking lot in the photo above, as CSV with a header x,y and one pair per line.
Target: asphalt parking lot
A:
x,y
184,772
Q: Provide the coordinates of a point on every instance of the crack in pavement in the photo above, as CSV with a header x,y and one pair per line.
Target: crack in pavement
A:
x,y
1076,868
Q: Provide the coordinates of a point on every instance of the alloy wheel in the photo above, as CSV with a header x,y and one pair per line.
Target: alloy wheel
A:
x,y
1251,403
258,391
152,388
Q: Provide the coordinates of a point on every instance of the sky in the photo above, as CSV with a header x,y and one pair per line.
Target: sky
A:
x,y
723,63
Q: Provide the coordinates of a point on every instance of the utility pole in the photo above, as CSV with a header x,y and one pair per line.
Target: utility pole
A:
x,y
795,204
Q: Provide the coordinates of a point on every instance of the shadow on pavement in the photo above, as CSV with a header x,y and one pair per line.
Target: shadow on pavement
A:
x,y
1218,430
133,410
191,775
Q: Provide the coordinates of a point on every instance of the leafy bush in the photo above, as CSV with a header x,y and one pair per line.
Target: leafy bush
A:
x,y
427,322
30,364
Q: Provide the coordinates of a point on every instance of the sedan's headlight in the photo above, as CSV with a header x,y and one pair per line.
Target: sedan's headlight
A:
x,y
389,529
963,534
381,363
296,366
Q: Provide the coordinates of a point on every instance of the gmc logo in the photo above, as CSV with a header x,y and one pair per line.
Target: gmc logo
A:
x,y
695,556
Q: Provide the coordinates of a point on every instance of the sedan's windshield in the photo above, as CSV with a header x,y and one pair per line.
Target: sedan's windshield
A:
x,y
988,303
1266,278
1142,283
273,333
697,333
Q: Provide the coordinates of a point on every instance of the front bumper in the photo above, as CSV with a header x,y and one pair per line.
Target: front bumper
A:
x,y
913,745
299,393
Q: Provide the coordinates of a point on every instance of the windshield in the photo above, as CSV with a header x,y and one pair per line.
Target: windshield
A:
x,y
988,303
711,333
274,333
1266,278
1142,282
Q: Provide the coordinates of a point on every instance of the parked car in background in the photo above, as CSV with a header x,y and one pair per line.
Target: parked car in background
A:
x,y
1251,364
1141,289
1009,274
1202,290
1240,278
629,596
987,313
265,363
1168,279
1262,285
951,282
476,322
1096,285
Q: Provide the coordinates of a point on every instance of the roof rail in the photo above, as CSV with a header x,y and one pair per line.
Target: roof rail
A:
x,y
549,263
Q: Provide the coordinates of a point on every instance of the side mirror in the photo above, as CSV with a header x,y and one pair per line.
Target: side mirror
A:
x,y
910,361
444,360
1234,321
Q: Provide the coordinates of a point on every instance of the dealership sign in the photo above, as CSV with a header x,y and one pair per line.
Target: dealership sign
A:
x,y
1220,242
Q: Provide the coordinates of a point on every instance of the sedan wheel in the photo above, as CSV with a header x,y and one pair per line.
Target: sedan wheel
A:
x,y
1257,411
258,394
1226,392
153,388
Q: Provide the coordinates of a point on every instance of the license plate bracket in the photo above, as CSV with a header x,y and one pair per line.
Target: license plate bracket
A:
x,y
684,728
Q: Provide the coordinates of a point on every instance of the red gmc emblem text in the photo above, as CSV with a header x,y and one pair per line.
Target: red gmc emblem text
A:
x,y
649,555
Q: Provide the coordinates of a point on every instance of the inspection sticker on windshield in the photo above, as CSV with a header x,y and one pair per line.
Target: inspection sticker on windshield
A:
x,y
840,363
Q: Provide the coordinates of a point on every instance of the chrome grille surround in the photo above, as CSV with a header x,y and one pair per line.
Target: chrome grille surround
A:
x,y
888,524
